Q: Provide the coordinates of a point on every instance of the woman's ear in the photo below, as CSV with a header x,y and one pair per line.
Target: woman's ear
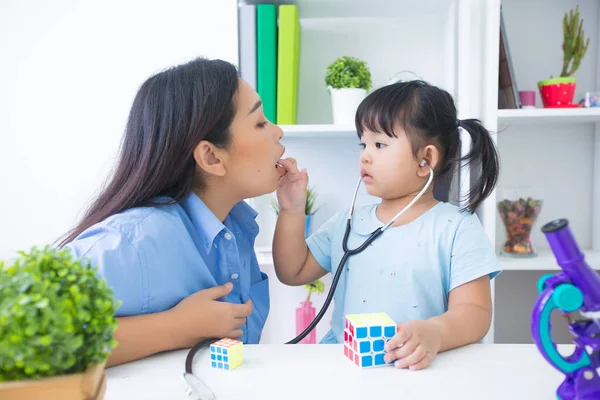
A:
x,y
210,158
428,156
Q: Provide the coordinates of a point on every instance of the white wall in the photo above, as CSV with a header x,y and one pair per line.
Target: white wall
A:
x,y
68,75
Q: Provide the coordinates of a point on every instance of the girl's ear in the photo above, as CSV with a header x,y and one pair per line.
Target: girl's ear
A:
x,y
431,156
210,158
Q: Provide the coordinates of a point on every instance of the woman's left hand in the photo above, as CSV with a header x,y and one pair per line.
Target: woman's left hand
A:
x,y
415,344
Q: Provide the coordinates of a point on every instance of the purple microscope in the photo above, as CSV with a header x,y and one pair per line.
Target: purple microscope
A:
x,y
575,288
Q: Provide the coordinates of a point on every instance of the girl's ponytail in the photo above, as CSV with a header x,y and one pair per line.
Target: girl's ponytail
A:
x,y
483,153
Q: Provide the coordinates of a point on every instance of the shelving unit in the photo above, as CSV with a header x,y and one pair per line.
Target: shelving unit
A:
x,y
549,116
545,262
557,149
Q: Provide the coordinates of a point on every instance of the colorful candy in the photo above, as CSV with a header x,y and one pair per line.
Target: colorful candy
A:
x,y
519,216
591,99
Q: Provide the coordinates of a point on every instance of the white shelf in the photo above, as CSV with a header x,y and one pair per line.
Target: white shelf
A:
x,y
302,131
545,261
549,115
356,8
264,256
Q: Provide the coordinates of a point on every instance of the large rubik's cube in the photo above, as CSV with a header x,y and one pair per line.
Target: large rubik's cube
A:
x,y
365,336
226,354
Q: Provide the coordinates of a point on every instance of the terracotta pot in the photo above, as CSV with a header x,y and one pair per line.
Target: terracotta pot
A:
x,y
558,92
87,385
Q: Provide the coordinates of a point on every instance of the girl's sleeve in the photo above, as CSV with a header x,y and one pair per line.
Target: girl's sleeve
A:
x,y
118,262
320,242
473,255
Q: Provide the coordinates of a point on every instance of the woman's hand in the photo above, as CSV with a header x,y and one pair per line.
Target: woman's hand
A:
x,y
291,192
415,344
200,316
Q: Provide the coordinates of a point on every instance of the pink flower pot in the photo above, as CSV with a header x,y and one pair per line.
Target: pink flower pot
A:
x,y
305,314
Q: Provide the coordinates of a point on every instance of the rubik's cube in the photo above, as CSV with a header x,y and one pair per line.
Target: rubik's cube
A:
x,y
365,336
226,354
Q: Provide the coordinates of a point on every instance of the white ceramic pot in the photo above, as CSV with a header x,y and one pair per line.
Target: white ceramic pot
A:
x,y
344,103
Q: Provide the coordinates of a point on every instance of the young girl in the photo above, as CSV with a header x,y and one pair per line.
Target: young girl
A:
x,y
431,270
171,233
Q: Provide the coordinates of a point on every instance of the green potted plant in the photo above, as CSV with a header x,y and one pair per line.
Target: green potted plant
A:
x,y
559,92
348,80
309,209
306,313
56,327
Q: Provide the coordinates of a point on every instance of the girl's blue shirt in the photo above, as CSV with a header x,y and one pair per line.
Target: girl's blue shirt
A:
x,y
408,271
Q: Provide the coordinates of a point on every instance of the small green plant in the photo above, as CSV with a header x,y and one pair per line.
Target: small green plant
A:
x,y
56,315
573,45
314,287
309,208
348,72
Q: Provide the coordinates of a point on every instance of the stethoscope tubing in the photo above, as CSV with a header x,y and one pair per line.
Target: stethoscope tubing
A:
x,y
193,381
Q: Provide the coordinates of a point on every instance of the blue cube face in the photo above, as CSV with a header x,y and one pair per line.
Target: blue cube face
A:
x,y
225,358
213,356
224,351
379,359
378,345
226,366
220,365
219,358
361,333
366,361
365,347
213,349
214,364
375,332
218,350
389,331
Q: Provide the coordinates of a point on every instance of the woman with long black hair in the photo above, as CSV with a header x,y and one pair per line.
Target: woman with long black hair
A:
x,y
170,232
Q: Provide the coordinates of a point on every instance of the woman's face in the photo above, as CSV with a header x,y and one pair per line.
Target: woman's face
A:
x,y
251,160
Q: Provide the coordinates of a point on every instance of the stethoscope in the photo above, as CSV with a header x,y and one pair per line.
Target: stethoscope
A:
x,y
201,391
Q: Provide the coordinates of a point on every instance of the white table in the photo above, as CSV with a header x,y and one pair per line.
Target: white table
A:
x,y
491,372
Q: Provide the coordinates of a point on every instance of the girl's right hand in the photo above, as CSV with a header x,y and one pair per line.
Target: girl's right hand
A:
x,y
291,191
200,316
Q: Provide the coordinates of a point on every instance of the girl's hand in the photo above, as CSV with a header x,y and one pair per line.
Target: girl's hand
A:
x,y
201,316
291,192
415,344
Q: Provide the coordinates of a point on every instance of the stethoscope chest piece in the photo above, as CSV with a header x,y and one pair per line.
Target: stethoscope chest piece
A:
x,y
197,389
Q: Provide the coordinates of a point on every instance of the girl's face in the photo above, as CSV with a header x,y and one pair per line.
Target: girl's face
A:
x,y
251,159
388,166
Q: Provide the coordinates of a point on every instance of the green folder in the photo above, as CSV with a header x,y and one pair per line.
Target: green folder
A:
x,y
266,58
288,60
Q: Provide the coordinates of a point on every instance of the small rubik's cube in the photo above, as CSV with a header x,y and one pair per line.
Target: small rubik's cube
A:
x,y
226,354
365,336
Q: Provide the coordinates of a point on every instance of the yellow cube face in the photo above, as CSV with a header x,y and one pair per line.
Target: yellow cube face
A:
x,y
226,354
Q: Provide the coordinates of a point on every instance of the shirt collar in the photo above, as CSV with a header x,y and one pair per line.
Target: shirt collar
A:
x,y
209,226
364,220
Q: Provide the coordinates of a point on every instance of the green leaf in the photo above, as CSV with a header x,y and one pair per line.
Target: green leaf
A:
x,y
315,287
56,315
348,72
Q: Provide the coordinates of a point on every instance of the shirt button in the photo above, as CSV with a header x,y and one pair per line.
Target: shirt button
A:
x,y
228,236
234,276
